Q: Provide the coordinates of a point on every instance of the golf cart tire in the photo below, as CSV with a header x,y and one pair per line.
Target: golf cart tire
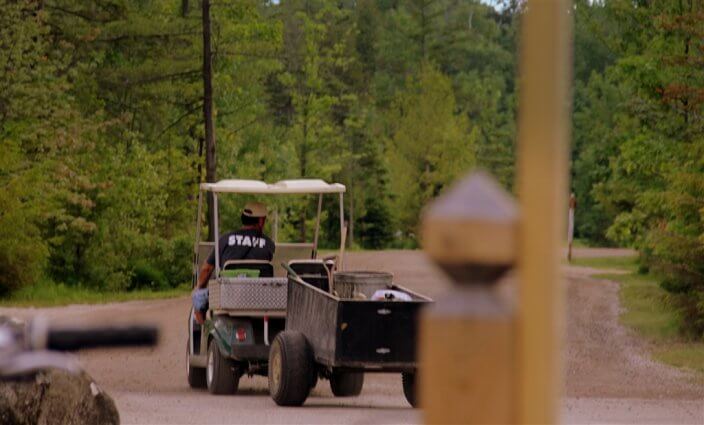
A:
x,y
291,366
409,387
196,375
346,384
222,379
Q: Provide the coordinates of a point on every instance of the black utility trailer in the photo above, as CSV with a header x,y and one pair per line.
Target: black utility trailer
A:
x,y
340,339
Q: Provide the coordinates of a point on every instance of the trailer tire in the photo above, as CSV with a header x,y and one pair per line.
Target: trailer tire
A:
x,y
409,387
219,374
291,367
346,384
196,375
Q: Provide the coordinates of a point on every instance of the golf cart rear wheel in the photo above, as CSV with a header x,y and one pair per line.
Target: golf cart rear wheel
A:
x,y
346,384
409,387
196,375
291,366
219,374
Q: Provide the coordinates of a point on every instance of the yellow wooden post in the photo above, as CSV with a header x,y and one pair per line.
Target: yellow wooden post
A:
x,y
541,181
480,363
467,338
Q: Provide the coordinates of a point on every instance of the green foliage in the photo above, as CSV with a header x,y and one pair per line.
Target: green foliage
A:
x,y
623,263
22,251
638,171
431,144
146,276
102,135
48,294
376,224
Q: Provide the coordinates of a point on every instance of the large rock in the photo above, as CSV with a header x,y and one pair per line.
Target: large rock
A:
x,y
55,397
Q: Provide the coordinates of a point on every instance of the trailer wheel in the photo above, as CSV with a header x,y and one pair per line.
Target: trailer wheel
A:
x,y
291,367
219,373
409,387
196,375
346,384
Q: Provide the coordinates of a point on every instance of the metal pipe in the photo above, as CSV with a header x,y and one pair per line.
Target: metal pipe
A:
x,y
216,235
276,224
197,239
343,230
266,330
190,333
317,225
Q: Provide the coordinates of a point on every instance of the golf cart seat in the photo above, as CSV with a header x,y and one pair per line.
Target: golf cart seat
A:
x,y
287,252
315,272
247,268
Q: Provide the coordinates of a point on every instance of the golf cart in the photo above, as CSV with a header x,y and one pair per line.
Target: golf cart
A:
x,y
248,298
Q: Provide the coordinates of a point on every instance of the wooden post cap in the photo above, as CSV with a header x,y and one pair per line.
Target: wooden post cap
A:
x,y
473,223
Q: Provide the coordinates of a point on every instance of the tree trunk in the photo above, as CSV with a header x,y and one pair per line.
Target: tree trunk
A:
x,y
210,160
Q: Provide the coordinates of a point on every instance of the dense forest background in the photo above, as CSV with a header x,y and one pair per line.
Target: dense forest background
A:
x,y
101,125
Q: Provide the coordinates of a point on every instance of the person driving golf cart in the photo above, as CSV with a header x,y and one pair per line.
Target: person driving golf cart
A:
x,y
247,243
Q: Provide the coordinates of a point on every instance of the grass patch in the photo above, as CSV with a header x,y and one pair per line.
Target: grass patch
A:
x,y
629,262
647,311
48,294
685,355
580,243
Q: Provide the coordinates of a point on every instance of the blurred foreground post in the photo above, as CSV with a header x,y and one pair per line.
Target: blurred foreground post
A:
x,y
542,188
468,337
479,361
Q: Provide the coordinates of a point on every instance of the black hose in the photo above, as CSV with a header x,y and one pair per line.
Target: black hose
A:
x,y
69,339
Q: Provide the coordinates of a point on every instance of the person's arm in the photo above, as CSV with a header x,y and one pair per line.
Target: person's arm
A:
x,y
208,266
201,284
272,248
205,272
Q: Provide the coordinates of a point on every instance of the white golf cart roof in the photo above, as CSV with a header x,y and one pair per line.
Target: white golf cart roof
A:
x,y
300,186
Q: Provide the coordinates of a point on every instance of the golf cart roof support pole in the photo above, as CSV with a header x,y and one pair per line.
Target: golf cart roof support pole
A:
x,y
342,232
317,225
197,238
200,211
276,224
216,235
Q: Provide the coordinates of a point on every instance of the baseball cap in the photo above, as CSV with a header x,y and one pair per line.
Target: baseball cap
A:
x,y
254,209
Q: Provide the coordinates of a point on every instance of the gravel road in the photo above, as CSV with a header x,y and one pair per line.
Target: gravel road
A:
x,y
608,375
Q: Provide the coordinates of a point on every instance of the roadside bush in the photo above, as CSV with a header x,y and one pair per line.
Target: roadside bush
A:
x,y
174,259
138,229
678,260
22,256
23,252
376,224
146,276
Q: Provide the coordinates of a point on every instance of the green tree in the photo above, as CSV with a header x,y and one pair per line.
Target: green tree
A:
x,y
430,144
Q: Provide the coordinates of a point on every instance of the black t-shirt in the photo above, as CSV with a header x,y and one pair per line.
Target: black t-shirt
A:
x,y
244,244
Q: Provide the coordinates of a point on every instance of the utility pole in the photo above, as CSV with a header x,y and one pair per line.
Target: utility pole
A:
x,y
210,160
